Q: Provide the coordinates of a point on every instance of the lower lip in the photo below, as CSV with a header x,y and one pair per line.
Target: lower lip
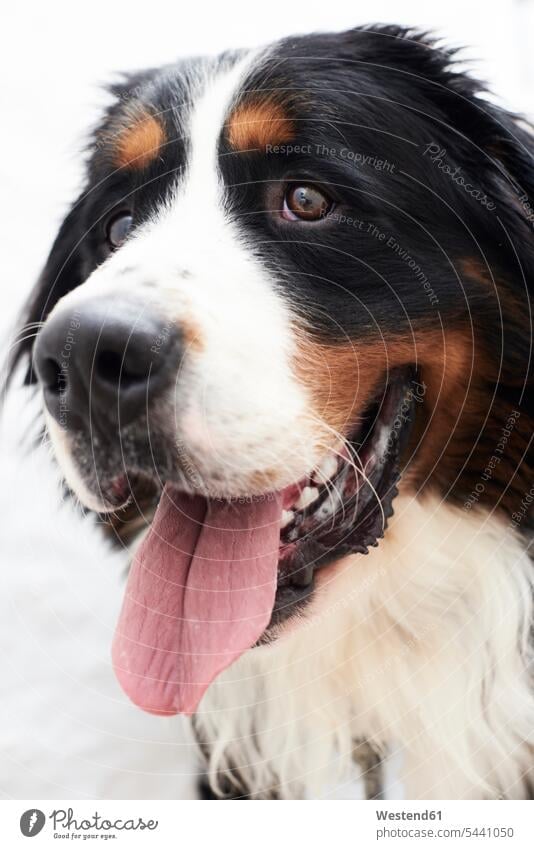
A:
x,y
117,493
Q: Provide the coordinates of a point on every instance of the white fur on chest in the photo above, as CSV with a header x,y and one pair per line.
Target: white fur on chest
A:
x,y
420,645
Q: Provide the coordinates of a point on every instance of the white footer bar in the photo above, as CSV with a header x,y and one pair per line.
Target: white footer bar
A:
x,y
267,825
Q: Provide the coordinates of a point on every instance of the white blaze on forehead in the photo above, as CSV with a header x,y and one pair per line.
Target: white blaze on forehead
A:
x,y
213,93
216,94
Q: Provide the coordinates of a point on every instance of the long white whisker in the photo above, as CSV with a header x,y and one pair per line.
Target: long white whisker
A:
x,y
351,457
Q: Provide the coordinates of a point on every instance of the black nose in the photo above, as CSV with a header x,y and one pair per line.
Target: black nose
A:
x,y
104,362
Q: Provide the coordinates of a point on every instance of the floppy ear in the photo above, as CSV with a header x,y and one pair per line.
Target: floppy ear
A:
x,y
61,273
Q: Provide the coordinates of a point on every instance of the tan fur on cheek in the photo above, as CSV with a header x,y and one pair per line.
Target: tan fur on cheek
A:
x,y
332,375
343,379
458,423
138,145
256,125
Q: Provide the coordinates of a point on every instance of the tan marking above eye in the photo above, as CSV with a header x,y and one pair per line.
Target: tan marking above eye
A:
x,y
139,144
256,124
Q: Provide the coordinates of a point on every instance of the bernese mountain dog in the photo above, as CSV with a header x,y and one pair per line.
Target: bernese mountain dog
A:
x,y
284,343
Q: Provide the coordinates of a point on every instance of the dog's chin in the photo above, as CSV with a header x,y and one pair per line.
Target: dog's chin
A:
x,y
342,507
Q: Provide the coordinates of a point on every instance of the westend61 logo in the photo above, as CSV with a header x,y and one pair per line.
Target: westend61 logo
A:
x,y
67,826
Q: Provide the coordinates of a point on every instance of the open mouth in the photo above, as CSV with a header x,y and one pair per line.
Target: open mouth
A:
x,y
344,506
213,576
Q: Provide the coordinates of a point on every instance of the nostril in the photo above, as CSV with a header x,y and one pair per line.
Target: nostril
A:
x,y
115,362
112,368
51,376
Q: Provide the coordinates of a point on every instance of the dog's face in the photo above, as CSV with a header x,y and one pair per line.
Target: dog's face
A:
x,y
273,295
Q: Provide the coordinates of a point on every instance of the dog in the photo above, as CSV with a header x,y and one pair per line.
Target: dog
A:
x,y
284,345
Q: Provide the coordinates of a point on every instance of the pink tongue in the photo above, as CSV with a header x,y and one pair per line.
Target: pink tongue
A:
x,y
200,592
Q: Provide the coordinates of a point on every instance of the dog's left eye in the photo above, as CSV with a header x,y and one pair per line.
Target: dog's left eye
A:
x,y
118,228
305,202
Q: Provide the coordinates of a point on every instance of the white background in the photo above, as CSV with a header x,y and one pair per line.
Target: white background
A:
x,y
65,728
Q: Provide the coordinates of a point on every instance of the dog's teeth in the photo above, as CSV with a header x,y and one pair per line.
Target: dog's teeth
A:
x,y
287,517
326,469
329,506
307,496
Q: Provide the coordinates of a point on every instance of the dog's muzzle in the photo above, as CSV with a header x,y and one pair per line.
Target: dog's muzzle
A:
x,y
102,364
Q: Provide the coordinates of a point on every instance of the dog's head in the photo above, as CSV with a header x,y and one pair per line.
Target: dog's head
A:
x,y
293,276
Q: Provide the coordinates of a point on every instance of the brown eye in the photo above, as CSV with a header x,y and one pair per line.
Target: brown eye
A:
x,y
305,202
118,228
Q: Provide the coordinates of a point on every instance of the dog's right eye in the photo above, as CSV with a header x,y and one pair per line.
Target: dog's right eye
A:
x,y
305,202
118,228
